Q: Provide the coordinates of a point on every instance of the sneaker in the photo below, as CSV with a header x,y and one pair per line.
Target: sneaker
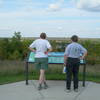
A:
x,y
39,87
76,90
68,90
45,86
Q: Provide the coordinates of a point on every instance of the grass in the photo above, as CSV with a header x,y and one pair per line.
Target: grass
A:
x,y
13,71
5,79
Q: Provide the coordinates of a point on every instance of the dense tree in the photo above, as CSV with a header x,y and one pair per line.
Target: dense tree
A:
x,y
4,48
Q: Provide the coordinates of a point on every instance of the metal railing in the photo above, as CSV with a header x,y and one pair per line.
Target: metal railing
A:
x,y
53,58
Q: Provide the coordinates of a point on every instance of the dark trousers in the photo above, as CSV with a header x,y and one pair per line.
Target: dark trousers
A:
x,y
72,70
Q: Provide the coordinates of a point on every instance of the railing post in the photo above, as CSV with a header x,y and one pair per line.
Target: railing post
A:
x,y
26,72
84,75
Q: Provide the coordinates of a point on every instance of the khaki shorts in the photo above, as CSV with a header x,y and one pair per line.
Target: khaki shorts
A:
x,y
41,63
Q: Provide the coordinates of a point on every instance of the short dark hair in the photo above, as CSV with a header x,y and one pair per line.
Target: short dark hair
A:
x,y
74,38
43,35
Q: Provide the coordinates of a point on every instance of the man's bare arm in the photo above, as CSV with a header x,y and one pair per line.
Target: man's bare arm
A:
x,y
65,59
84,55
31,49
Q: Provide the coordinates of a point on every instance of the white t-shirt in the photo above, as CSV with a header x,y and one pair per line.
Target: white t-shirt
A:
x,y
41,46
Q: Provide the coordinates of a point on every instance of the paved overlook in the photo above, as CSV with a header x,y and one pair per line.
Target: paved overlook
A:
x,y
56,91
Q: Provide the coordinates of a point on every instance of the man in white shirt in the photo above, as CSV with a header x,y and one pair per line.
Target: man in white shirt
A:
x,y
41,47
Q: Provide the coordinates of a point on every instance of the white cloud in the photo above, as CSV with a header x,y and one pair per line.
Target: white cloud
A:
x,y
41,14
89,5
56,6
60,28
6,32
98,28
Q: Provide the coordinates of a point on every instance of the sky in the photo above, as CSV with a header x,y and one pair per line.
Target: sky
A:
x,y
57,18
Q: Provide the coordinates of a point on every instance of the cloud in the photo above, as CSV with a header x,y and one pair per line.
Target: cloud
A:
x,y
55,6
98,28
60,28
6,32
89,5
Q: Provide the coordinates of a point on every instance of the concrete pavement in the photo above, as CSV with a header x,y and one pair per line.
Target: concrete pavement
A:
x,y
56,91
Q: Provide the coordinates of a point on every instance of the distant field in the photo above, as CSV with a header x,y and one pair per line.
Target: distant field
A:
x,y
56,38
62,38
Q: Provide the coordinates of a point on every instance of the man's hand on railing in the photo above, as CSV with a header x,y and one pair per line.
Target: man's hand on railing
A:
x,y
46,52
64,64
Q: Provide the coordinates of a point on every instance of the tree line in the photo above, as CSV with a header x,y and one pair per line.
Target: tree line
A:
x,y
16,48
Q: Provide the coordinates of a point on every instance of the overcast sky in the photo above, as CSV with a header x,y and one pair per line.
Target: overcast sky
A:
x,y
58,18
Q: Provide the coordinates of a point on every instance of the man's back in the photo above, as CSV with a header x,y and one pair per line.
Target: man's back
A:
x,y
74,50
41,46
